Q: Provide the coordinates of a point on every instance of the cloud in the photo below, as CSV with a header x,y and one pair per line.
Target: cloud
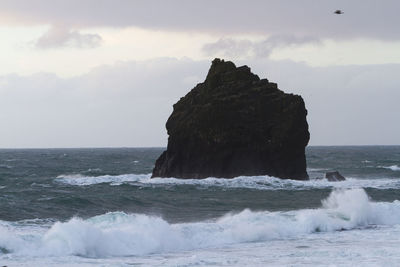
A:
x,y
347,105
58,36
232,48
128,103
362,18
125,104
228,47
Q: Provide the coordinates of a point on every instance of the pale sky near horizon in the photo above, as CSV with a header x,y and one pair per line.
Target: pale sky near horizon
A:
x,y
105,73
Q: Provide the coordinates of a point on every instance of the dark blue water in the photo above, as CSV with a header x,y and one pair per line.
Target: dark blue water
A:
x,y
99,207
62,183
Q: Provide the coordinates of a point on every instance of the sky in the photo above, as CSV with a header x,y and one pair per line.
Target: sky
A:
x,y
105,73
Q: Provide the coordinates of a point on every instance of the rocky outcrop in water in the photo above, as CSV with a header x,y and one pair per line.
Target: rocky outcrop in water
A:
x,y
334,176
234,124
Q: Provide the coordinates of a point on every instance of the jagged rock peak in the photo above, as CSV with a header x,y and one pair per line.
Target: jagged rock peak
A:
x,y
224,71
219,66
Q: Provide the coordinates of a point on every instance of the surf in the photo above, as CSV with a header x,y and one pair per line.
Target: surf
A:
x,y
122,234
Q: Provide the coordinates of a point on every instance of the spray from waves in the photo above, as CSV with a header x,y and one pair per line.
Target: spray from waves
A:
x,y
253,182
121,234
393,167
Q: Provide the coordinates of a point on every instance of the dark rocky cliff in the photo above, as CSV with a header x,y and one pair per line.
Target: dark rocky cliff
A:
x,y
235,124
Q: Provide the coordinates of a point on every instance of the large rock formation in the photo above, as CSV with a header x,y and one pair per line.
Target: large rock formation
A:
x,y
235,124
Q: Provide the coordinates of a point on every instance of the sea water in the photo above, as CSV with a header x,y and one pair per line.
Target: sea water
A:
x,y
99,207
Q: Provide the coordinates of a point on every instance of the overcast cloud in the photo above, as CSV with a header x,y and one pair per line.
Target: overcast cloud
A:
x,y
59,36
228,47
361,18
127,104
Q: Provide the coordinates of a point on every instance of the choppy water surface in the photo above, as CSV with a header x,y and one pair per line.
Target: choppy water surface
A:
x,y
99,206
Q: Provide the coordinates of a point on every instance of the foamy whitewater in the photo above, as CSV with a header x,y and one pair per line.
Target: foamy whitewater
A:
x,y
117,234
393,167
95,208
250,182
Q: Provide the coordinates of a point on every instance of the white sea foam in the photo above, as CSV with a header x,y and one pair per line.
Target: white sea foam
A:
x,y
82,180
4,166
253,182
121,234
393,167
11,160
316,169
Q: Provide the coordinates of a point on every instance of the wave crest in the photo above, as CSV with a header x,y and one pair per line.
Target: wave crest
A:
x,y
393,167
253,182
84,180
121,234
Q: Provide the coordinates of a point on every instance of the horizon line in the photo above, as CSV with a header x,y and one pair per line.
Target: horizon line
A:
x,y
164,147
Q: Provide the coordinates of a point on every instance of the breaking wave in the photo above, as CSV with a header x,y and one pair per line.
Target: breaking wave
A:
x,y
82,180
253,182
121,234
393,167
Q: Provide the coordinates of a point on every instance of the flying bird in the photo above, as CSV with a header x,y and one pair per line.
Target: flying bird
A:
x,y
338,12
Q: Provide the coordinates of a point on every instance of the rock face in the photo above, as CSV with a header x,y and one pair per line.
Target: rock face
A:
x,y
235,124
334,176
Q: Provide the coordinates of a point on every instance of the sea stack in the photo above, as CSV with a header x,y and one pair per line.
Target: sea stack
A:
x,y
235,124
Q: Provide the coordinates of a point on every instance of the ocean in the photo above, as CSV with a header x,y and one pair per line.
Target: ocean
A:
x,y
99,207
